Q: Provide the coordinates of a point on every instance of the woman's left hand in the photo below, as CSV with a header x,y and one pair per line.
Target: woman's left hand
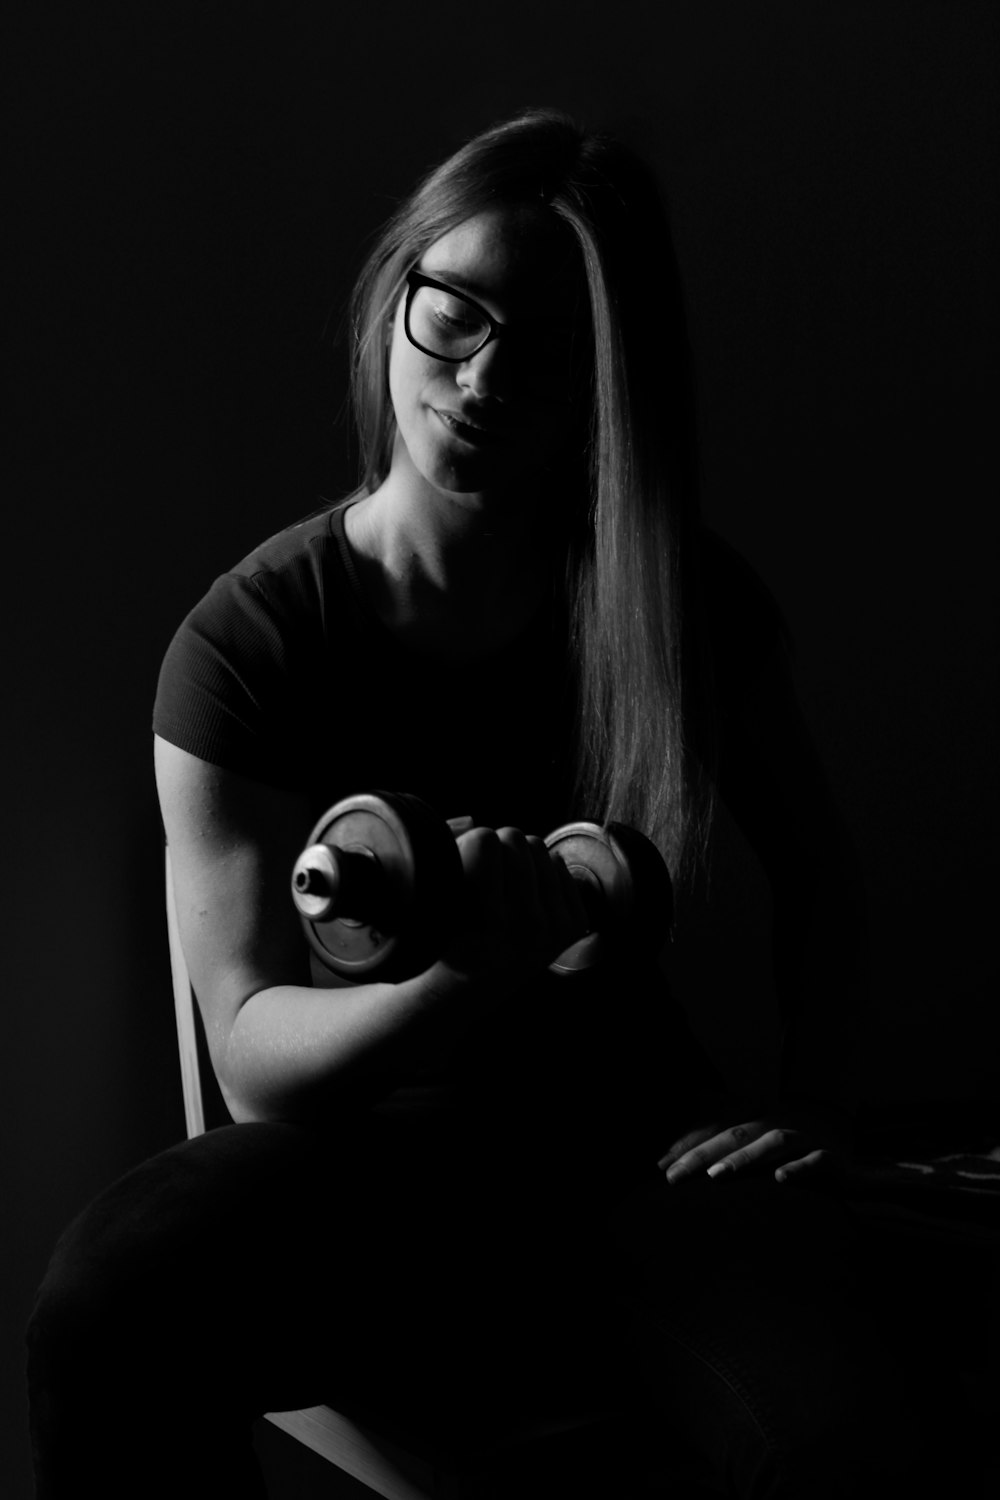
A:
x,y
789,1146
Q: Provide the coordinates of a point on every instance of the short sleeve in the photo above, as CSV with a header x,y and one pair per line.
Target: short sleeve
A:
x,y
232,685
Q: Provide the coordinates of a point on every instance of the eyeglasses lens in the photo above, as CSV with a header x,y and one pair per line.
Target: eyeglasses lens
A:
x,y
446,324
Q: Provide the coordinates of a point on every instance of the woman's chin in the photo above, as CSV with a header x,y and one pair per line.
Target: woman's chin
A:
x,y
461,472
468,477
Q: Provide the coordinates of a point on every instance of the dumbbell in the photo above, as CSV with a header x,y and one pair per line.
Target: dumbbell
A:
x,y
625,886
379,888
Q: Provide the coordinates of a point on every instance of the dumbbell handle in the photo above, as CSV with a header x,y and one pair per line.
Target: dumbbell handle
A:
x,y
330,883
358,894
594,902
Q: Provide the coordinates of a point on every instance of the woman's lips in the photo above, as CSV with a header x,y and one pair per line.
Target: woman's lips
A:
x,y
469,432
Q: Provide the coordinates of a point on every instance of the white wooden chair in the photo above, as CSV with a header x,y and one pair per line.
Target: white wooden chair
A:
x,y
369,1456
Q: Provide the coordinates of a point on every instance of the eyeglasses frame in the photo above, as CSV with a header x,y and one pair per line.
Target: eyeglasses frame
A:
x,y
416,279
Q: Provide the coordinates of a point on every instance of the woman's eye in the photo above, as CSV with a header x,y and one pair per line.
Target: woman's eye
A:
x,y
453,314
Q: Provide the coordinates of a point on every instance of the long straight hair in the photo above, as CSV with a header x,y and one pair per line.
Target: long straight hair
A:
x,y
644,733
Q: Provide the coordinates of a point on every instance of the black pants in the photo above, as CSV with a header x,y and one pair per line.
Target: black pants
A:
x,y
408,1269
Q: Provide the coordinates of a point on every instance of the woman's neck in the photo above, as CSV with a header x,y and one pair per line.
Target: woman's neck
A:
x,y
456,575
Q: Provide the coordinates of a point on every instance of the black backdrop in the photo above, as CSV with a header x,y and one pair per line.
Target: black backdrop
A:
x,y
193,189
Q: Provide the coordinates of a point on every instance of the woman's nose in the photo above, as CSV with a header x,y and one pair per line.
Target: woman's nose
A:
x,y
486,373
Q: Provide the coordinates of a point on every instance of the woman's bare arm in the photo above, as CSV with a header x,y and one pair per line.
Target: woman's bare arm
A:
x,y
280,1048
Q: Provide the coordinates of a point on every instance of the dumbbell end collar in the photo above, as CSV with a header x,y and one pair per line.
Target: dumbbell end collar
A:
x,y
327,881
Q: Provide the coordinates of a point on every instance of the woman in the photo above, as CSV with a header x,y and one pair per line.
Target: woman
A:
x,y
517,618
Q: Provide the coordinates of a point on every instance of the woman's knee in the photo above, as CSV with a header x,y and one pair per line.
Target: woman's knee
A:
x,y
792,1423
169,1243
744,1321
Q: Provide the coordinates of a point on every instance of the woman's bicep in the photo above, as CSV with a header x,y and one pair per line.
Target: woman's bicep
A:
x,y
232,846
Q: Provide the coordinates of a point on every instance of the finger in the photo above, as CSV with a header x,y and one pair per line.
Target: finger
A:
x,y
687,1143
705,1155
476,844
803,1166
520,877
772,1146
550,892
482,867
560,896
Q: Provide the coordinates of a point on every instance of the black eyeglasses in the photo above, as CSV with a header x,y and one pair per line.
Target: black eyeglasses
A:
x,y
445,323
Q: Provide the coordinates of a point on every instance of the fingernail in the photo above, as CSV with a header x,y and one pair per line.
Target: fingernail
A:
x,y
720,1167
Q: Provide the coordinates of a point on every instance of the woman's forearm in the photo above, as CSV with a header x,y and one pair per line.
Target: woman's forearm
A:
x,y
294,1052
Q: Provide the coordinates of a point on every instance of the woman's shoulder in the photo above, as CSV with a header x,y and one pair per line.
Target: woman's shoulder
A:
x,y
251,652
297,550
281,602
301,577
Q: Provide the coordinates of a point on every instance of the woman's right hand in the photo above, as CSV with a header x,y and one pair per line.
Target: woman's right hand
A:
x,y
522,906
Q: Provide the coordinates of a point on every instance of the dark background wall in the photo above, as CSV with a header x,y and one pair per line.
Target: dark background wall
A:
x,y
193,192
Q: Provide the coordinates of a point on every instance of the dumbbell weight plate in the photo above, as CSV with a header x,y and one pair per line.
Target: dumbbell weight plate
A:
x,y
625,885
399,922
651,913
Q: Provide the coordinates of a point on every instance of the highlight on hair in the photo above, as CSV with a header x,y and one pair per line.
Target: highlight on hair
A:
x,y
644,743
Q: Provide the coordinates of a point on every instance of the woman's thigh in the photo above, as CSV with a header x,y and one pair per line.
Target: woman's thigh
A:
x,y
262,1267
259,1267
255,1241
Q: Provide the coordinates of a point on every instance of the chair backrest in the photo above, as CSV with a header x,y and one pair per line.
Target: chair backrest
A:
x,y
204,1106
184,1004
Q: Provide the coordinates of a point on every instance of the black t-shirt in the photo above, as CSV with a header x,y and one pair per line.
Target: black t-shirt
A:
x,y
283,673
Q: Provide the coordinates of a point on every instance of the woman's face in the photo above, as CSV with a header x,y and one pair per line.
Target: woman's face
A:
x,y
500,416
